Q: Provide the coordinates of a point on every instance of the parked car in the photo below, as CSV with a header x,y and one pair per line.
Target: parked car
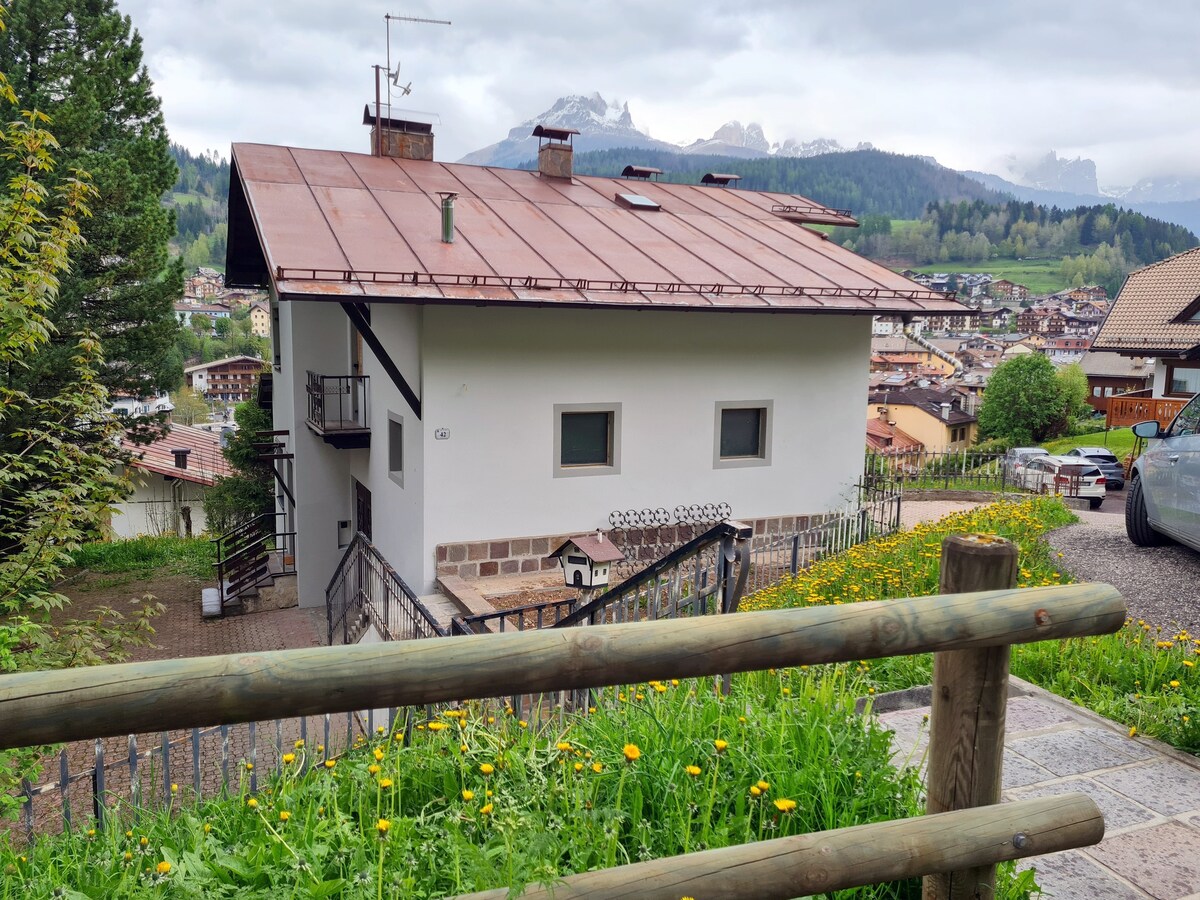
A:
x,y
1016,457
1066,475
1114,472
1164,490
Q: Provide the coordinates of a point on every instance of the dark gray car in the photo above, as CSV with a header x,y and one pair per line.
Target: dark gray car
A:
x,y
1164,490
1114,472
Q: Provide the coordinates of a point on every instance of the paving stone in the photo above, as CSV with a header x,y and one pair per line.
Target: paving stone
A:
x,y
1070,875
1032,714
1165,786
1079,750
1163,860
1118,810
1019,771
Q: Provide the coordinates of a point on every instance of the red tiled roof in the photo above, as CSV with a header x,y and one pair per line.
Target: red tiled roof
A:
x,y
1142,319
205,463
597,548
884,437
344,226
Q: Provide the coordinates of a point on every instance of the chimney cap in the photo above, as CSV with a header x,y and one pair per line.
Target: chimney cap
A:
x,y
553,133
719,178
409,121
639,171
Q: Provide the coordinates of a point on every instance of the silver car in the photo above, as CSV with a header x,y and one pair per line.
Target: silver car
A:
x,y
1164,491
1114,472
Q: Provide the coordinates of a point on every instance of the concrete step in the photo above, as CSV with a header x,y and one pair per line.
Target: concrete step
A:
x,y
442,608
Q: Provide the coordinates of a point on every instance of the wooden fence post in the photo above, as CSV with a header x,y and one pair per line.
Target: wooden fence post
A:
x,y
970,690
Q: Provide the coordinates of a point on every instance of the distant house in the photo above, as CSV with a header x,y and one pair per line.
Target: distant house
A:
x,y
938,419
1156,315
1111,375
260,319
143,406
885,438
230,380
907,354
1003,289
171,476
204,282
185,312
1066,349
575,345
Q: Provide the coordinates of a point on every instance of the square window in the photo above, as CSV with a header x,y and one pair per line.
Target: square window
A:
x,y
587,439
743,434
395,448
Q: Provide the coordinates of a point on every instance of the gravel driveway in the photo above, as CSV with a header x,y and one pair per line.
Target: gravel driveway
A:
x,y
1160,584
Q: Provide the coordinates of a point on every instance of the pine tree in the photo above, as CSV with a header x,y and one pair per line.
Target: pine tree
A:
x,y
80,62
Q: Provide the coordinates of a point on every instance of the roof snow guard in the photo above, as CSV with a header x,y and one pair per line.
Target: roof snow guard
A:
x,y
348,227
812,213
717,178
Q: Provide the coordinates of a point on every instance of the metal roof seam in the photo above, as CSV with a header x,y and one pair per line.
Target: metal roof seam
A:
x,y
384,212
321,209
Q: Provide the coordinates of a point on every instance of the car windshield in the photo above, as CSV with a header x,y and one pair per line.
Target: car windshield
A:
x,y
1102,457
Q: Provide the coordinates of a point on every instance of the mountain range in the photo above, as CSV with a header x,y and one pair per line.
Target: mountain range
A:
x,y
1050,180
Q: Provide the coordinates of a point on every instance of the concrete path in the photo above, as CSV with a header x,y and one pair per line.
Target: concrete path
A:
x,y
1148,792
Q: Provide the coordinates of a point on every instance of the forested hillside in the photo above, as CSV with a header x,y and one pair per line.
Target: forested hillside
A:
x,y
199,198
863,181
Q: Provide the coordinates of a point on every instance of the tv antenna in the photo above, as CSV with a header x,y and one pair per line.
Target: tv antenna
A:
x,y
393,75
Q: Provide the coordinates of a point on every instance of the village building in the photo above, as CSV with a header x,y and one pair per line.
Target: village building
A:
x,y
170,477
260,319
204,282
229,380
938,419
1065,349
472,362
1113,375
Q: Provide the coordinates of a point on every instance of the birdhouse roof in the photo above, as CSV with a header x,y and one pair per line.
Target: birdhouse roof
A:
x,y
594,548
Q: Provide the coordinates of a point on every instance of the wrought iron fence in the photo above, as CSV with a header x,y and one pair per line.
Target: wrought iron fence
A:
x,y
944,470
366,591
784,552
647,535
250,554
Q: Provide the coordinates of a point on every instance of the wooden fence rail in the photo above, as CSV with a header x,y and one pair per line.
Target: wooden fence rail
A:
x,y
970,632
789,867
75,704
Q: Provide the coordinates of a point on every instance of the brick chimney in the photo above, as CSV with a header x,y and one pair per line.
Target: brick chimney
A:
x,y
555,150
394,135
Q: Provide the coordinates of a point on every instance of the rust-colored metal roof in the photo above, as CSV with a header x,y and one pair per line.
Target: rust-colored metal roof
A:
x,y
205,461
1143,318
347,226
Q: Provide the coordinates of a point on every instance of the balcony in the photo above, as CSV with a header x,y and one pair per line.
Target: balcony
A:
x,y
338,410
1130,409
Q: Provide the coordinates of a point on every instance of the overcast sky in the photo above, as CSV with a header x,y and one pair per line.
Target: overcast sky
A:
x,y
1117,81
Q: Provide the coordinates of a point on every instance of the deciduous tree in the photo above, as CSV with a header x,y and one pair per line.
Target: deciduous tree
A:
x,y
1023,403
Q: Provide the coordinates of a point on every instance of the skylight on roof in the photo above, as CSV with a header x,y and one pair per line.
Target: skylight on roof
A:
x,y
638,202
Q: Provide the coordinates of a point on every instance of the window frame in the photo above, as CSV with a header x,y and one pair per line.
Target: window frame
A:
x,y
395,424
613,467
1170,377
766,426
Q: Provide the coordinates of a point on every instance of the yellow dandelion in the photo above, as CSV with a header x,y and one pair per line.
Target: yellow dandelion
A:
x,y
1174,683
207,828
163,868
632,752
755,791
289,758
563,746
1133,731
385,782
284,815
486,809
299,744
521,723
721,745
692,770
764,786
784,805
373,769
382,826
487,768
330,763
378,755
578,767
468,795
252,803
597,767
437,726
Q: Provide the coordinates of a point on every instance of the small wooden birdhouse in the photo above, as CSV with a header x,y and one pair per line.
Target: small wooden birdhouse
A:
x,y
586,560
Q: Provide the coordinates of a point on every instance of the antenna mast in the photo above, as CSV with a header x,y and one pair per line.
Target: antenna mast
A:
x,y
394,76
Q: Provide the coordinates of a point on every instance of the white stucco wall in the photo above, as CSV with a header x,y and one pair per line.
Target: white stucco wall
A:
x,y
154,507
492,378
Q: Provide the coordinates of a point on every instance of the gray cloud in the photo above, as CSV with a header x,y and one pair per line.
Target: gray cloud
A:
x,y
1114,80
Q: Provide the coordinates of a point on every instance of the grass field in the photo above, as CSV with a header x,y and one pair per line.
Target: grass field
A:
x,y
1041,276
1118,440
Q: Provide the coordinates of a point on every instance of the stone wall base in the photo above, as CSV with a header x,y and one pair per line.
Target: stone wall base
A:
x,y
527,555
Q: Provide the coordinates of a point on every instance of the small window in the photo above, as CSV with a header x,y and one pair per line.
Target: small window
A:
x,y
395,448
743,434
587,439
577,560
1096,392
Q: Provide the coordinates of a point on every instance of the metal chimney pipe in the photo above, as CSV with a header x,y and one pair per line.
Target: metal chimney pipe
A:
x,y
447,215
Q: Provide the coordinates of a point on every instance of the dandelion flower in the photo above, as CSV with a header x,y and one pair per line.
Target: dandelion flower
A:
x,y
207,828
437,726
289,758
721,745
330,763
378,755
373,769
563,747
784,805
284,815
1133,731
382,827
521,723
764,785
1174,684
632,752
468,795
299,744
252,803
755,791
487,768
249,767
385,782
486,809
597,767
175,787
692,770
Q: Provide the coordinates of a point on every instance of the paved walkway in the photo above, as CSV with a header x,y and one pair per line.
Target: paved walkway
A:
x,y
1148,792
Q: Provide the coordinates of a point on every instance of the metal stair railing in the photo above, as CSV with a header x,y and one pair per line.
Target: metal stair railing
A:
x,y
244,556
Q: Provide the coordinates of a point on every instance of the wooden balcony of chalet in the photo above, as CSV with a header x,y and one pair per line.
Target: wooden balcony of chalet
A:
x,y
1139,406
338,409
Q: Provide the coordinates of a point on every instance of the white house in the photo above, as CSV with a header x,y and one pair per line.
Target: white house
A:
x,y
578,345
1157,315
170,477
143,406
